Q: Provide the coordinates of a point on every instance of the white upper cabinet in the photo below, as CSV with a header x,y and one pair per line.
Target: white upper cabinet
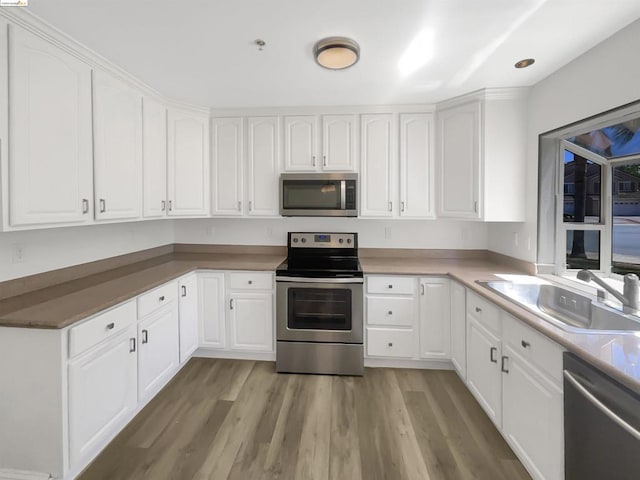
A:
x,y
154,140
50,150
416,165
117,133
263,161
338,148
301,143
481,155
339,143
378,165
227,143
188,161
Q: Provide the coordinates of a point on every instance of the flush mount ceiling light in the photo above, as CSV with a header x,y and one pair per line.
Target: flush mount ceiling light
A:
x,y
336,53
527,62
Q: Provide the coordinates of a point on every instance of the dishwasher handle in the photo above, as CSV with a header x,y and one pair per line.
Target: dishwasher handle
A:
x,y
601,406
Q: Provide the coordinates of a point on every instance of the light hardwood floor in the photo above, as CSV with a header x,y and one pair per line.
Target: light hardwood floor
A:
x,y
239,420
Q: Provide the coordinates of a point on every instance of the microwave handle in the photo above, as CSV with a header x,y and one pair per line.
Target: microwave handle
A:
x,y
343,194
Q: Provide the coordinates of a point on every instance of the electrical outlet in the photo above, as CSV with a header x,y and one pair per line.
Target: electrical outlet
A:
x,y
387,233
18,253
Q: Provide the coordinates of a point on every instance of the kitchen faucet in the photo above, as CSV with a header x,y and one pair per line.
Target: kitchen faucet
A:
x,y
630,296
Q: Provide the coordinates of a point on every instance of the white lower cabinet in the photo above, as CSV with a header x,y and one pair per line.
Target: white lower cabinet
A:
x,y
102,394
158,355
188,307
459,329
236,311
435,318
515,374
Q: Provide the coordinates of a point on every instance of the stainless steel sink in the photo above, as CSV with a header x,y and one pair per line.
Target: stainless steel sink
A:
x,y
571,311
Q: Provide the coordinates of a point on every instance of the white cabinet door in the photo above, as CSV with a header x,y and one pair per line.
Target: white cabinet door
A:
x,y
339,142
459,329
435,318
532,417
158,354
459,155
154,141
188,316
188,162
50,149
379,162
301,143
227,157
416,165
117,137
211,310
263,159
483,369
102,394
251,321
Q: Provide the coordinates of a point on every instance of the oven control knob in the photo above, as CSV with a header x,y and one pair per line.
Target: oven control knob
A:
x,y
295,240
341,240
303,240
348,240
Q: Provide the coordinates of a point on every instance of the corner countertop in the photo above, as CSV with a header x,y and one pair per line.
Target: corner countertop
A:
x,y
59,306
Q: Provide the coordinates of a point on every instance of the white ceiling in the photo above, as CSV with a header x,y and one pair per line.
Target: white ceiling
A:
x,y
202,51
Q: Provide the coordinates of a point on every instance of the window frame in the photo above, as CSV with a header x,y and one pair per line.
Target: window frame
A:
x,y
551,252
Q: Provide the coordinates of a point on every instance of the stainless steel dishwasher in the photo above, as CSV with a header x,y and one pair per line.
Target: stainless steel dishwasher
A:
x,y
601,425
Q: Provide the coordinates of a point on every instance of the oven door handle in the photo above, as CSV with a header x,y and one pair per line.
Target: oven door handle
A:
x,y
319,280
601,406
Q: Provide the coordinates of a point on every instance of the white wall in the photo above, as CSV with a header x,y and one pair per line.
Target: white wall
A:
x,y
438,234
49,249
605,77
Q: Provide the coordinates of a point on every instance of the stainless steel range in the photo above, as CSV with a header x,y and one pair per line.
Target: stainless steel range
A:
x,y
319,320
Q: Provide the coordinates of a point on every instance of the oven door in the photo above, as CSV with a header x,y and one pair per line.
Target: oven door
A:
x,y
320,310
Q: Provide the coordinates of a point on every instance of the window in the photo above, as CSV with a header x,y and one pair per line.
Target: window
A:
x,y
597,166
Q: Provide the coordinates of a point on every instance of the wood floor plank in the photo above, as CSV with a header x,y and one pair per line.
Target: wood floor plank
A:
x,y
240,420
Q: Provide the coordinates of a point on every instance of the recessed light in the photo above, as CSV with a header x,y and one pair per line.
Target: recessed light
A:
x,y
336,53
527,62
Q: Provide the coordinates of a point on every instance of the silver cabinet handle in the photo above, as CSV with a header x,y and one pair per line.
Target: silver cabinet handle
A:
x,y
103,205
85,205
422,289
164,205
170,205
390,206
231,304
132,345
475,207
313,160
601,406
250,205
491,355
478,309
110,326
324,160
504,369
184,290
145,336
239,206
402,206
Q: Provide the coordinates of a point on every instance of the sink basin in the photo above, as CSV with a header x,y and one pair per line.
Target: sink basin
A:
x,y
571,311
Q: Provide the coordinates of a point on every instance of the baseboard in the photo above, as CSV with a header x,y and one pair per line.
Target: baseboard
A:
x,y
258,356
408,363
7,474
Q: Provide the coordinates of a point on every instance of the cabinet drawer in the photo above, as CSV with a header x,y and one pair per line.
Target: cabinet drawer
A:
x,y
390,311
484,311
157,298
394,285
388,342
101,327
534,347
251,281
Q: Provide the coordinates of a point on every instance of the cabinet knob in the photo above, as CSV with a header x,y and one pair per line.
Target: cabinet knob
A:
x,y
132,345
110,326
103,205
313,160
525,344
390,344
492,357
389,312
145,336
250,282
85,205
163,204
478,309
503,365
184,290
161,298
389,286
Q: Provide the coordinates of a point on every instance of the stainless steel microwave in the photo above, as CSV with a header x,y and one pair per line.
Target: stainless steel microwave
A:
x,y
319,194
